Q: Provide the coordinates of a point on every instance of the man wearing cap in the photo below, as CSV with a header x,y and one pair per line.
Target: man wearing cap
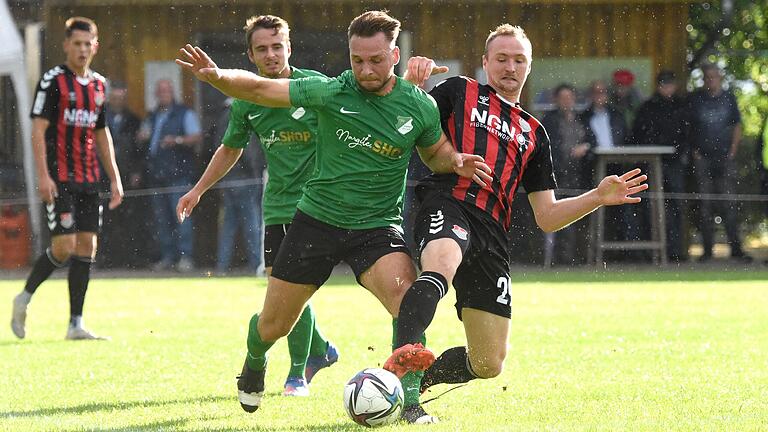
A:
x,y
660,122
625,97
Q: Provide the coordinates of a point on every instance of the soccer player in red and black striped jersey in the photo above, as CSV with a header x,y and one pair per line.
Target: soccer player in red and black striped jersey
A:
x,y
68,134
461,226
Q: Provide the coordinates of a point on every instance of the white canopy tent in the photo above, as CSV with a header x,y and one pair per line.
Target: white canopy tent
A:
x,y
12,64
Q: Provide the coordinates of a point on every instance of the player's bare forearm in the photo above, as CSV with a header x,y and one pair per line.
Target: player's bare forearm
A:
x,y
106,151
248,86
439,156
552,214
39,126
222,161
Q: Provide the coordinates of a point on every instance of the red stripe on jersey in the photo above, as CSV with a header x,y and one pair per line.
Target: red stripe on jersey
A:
x,y
491,150
62,172
467,138
98,89
77,135
88,143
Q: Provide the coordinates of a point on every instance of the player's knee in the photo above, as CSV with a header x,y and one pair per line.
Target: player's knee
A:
x,y
62,250
272,330
488,366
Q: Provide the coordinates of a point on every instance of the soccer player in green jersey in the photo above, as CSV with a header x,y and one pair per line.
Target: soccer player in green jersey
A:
x,y
288,137
369,122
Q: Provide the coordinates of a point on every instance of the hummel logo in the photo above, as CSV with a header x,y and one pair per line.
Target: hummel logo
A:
x,y
345,111
483,100
253,116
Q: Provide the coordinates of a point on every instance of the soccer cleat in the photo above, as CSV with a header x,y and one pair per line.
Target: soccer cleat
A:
x,y
315,363
296,386
409,358
19,317
250,388
79,333
415,414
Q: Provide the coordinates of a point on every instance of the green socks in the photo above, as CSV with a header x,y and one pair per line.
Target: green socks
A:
x,y
299,342
412,380
257,349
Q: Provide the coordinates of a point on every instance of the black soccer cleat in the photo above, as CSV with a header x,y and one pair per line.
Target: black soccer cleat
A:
x,y
415,414
250,388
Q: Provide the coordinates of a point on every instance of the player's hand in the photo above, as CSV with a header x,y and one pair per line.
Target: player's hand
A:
x,y
116,190
421,68
473,167
47,190
197,61
616,190
186,204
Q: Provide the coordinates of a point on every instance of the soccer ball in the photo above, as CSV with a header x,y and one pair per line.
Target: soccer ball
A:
x,y
373,397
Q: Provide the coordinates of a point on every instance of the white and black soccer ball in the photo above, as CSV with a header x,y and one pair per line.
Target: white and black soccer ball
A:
x,y
373,397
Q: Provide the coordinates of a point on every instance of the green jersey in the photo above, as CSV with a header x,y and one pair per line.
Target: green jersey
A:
x,y
288,137
364,144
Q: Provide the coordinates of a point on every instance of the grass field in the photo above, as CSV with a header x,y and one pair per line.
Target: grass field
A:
x,y
621,351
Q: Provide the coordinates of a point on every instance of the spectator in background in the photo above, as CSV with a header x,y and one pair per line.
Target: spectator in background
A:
x,y
660,121
171,134
606,128
624,96
240,203
715,133
570,144
124,127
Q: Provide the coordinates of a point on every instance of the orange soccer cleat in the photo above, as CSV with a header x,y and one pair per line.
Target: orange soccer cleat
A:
x,y
409,358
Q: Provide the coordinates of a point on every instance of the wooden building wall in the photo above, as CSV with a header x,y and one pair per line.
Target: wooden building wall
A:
x,y
133,32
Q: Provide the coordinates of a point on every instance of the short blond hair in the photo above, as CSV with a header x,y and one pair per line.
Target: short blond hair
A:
x,y
507,30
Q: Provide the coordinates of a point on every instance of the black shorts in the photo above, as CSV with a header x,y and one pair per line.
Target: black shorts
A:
x,y
74,211
312,248
273,238
482,279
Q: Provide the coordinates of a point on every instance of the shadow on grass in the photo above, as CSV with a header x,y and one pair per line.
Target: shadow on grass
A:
x,y
180,424
109,406
183,425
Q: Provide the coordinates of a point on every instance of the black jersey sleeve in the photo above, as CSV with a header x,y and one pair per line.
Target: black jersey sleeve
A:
x,y
445,93
538,174
46,100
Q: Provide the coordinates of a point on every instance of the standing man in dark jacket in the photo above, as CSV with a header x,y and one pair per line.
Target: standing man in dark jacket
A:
x,y
715,125
172,133
660,122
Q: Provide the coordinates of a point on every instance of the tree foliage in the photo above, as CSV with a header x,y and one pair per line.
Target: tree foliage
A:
x,y
734,35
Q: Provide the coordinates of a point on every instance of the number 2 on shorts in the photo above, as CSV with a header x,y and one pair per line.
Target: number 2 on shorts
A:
x,y
504,298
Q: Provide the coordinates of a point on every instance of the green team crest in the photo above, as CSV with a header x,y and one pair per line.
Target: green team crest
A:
x,y
404,124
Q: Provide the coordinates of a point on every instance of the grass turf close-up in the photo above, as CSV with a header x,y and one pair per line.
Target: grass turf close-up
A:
x,y
587,351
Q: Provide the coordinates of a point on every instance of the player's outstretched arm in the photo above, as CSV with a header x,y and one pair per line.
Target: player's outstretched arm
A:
x,y
421,68
221,162
553,214
236,83
442,157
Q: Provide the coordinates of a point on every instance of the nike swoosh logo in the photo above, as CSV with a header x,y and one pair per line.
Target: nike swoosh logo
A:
x,y
253,116
345,111
297,364
267,250
411,389
394,245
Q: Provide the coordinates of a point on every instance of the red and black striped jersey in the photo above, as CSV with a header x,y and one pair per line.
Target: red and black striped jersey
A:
x,y
512,142
74,106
